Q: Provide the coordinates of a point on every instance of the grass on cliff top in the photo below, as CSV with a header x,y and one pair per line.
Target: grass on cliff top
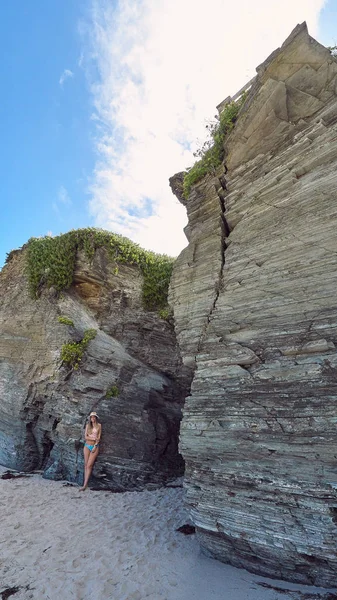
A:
x,y
51,262
212,153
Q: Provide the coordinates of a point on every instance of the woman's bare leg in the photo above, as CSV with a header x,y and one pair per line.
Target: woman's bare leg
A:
x,y
87,455
88,467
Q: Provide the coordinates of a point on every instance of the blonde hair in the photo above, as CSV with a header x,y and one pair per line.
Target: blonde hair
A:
x,y
90,425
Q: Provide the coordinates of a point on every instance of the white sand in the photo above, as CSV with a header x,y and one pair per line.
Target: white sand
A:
x,y
57,542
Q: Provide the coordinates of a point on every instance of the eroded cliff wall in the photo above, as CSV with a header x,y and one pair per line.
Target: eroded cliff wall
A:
x,y
254,298
44,403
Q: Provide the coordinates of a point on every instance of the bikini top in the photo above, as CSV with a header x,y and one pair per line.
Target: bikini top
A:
x,y
93,434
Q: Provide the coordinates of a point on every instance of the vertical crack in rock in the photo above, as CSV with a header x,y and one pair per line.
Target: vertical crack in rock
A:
x,y
220,188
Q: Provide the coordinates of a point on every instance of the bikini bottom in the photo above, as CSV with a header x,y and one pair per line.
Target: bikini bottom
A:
x,y
90,447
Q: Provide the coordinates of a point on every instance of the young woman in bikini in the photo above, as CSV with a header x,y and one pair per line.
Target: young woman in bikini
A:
x,y
92,436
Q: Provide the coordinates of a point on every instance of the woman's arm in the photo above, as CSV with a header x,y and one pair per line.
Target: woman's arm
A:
x,y
99,433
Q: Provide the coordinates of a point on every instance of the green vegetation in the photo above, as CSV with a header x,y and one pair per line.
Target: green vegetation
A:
x,y
72,352
10,255
51,262
157,270
212,153
65,321
112,392
165,313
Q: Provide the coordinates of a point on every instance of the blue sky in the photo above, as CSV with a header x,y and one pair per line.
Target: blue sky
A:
x,y
101,102
46,151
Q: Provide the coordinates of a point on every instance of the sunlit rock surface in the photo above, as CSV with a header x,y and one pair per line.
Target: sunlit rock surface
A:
x,y
43,405
255,306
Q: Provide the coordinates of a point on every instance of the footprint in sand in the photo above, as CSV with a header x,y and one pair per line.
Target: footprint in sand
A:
x,y
76,563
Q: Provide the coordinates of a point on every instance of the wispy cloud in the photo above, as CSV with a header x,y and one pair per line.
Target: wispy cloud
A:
x,y
157,71
56,208
63,196
61,201
65,75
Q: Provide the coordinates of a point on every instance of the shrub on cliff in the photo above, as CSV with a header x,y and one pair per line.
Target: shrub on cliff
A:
x,y
73,352
212,153
112,392
65,321
51,262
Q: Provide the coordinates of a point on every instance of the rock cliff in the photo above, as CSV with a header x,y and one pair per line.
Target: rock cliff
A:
x,y
130,374
254,298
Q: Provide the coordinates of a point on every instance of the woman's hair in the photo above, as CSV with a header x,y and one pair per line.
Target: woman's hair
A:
x,y
90,427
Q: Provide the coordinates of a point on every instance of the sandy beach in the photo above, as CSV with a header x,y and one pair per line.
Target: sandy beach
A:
x,y
59,543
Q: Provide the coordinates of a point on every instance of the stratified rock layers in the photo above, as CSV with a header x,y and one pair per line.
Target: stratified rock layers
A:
x,y
43,404
255,305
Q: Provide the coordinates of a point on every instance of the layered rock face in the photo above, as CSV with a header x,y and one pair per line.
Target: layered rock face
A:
x,y
44,405
254,298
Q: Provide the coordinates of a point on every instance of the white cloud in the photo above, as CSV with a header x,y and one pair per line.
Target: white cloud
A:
x,y
159,68
55,208
65,75
63,196
61,201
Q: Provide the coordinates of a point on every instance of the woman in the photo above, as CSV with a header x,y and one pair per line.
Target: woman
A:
x,y
92,436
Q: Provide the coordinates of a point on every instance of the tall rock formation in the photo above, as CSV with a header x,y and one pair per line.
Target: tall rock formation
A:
x,y
131,375
254,298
